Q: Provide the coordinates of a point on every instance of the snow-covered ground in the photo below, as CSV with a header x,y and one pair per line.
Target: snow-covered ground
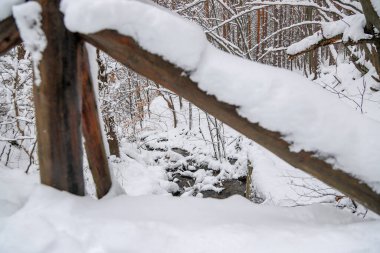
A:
x,y
35,218
274,181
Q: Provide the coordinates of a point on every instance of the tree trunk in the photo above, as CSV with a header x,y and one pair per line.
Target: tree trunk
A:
x,y
172,108
109,121
113,142
190,116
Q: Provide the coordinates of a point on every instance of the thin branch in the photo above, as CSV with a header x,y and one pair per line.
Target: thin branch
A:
x,y
191,5
334,40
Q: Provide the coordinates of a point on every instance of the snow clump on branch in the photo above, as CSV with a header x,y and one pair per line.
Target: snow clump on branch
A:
x,y
350,28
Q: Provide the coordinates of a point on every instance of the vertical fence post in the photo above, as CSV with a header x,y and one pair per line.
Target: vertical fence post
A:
x,y
58,105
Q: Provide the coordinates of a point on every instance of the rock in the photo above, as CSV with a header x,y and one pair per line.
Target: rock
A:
x,y
183,181
231,187
181,151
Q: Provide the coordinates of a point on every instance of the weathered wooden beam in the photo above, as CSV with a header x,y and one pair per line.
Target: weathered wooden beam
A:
x,y
128,52
92,130
58,105
9,35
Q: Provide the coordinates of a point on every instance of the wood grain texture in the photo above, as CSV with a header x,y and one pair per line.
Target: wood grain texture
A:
x,y
58,105
92,130
127,51
9,35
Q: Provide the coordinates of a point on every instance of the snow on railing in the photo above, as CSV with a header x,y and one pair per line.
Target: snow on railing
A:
x,y
279,100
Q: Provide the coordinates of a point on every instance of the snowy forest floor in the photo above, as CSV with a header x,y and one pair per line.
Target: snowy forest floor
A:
x,y
36,218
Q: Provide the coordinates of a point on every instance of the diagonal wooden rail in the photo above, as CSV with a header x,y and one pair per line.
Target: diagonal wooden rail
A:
x,y
128,52
92,130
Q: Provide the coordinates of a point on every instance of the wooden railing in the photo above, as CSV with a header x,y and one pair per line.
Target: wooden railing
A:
x,y
66,85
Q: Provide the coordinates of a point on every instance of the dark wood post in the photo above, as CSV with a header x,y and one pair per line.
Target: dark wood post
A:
x,y
92,131
58,105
